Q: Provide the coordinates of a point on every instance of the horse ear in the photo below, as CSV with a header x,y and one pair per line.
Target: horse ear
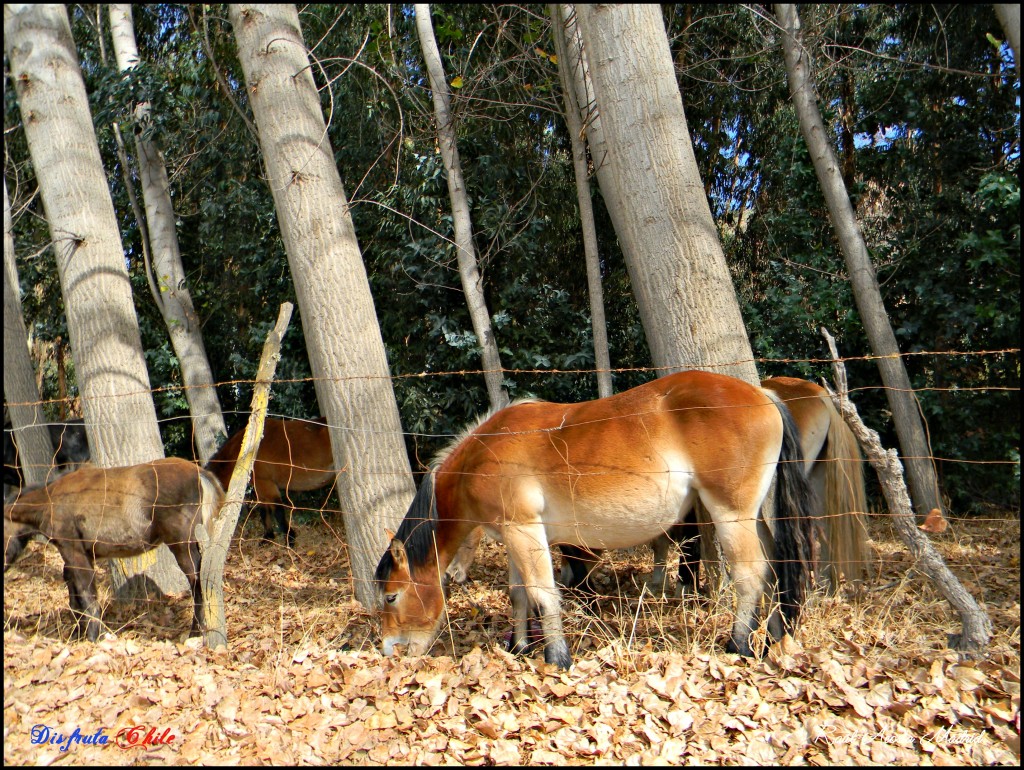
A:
x,y
390,535
398,554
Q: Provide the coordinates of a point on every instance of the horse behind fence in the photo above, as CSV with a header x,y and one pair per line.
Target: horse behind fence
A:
x,y
70,449
101,513
294,456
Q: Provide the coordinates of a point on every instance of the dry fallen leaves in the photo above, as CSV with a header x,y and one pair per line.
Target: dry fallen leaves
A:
x,y
866,681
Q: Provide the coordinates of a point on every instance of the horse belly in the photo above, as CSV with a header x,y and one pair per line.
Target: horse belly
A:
x,y
619,510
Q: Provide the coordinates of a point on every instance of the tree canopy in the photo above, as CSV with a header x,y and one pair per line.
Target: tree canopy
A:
x,y
923,103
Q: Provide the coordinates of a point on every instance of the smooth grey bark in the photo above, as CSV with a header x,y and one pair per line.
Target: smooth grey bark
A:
x,y
20,391
867,295
602,357
1009,18
106,346
648,174
469,271
166,273
976,629
346,351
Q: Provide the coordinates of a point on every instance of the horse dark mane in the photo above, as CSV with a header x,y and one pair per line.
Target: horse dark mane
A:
x,y
416,531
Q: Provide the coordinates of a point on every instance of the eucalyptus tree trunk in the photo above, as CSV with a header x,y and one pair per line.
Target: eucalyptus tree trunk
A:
x,y
166,274
346,351
602,359
20,391
924,488
1009,18
117,403
649,176
469,271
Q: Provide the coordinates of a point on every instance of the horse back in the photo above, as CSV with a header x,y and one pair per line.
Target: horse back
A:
x,y
634,460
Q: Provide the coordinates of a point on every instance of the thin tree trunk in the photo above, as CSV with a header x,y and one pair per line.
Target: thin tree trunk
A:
x,y
661,215
1009,17
20,391
171,292
976,626
472,282
602,359
909,424
346,351
222,527
117,402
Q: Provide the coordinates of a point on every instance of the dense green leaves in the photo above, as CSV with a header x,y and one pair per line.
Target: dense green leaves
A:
x,y
925,114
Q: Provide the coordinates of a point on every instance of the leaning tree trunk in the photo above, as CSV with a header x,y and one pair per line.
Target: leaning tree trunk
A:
x,y
602,358
120,418
469,271
1009,18
346,351
20,392
167,274
657,203
909,425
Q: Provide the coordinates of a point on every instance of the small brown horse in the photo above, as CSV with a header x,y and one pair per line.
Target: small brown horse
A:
x,y
101,513
833,465
610,473
294,456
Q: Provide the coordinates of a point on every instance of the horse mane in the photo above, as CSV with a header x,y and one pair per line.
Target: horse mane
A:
x,y
445,452
416,532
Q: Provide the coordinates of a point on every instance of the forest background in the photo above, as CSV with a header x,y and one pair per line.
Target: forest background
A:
x,y
924,109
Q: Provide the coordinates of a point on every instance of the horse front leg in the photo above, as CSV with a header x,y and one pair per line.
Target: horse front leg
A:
x,y
80,578
529,553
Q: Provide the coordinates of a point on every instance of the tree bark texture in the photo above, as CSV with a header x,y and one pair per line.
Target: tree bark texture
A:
x,y
469,271
658,206
1009,18
20,391
106,346
343,338
172,296
602,358
909,425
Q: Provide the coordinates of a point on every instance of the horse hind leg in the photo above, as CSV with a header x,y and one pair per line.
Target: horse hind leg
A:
x,y
190,560
80,577
748,568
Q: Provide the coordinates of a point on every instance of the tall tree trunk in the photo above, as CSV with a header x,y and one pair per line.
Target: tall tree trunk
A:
x,y
170,291
909,427
657,204
20,391
472,282
117,403
602,358
1009,17
346,351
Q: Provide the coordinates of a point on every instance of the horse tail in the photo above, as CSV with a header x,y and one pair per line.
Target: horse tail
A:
x,y
211,497
794,522
846,548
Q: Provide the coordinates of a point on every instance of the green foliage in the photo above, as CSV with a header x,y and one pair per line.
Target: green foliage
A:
x,y
925,123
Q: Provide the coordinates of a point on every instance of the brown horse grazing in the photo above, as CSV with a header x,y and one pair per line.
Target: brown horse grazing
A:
x,y
101,513
835,468
294,456
610,473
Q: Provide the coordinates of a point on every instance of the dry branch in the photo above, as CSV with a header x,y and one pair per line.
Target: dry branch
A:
x,y
976,626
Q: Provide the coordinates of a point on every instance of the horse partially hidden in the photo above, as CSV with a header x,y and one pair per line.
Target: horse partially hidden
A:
x,y
101,513
610,473
294,456
835,468
70,449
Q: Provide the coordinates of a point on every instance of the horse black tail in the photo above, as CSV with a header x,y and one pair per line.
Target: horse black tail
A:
x,y
794,522
416,531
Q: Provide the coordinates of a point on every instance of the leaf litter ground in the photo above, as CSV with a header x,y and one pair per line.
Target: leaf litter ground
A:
x,y
867,680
